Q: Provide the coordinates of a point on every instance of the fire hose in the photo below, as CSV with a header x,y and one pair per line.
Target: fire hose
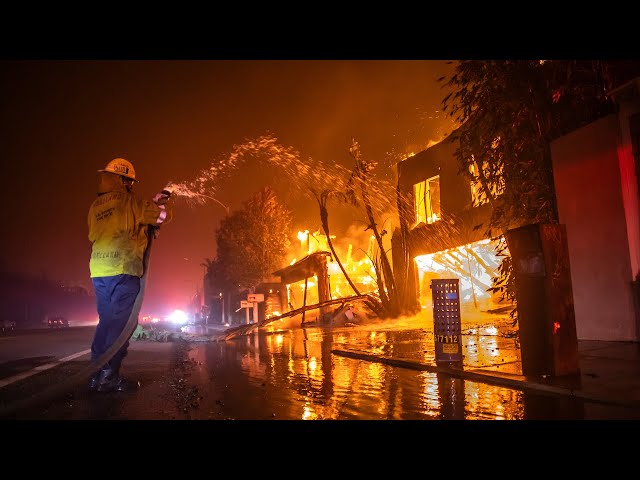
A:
x,y
86,372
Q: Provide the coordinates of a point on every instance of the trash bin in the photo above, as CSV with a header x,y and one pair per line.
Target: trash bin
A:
x,y
446,319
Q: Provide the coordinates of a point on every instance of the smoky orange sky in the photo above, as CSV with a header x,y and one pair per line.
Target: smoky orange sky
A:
x,y
61,121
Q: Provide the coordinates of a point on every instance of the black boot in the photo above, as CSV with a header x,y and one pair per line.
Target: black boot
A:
x,y
111,381
93,381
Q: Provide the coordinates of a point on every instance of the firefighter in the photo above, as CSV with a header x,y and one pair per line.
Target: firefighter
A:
x,y
119,227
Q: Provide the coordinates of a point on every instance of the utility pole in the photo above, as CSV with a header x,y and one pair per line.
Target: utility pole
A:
x,y
203,301
222,312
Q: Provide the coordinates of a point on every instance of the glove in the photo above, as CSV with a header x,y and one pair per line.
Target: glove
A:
x,y
160,199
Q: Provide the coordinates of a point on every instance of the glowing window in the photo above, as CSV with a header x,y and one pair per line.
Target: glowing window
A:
x,y
427,198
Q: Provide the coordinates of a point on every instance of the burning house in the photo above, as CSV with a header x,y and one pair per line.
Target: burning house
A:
x,y
317,290
441,214
317,278
596,172
441,232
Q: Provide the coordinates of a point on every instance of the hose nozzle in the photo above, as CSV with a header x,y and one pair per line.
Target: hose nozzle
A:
x,y
168,190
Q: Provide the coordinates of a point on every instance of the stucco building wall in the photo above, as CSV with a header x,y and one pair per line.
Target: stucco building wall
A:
x,y
589,190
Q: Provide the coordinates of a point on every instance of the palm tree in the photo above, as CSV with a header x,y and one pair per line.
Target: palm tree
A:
x,y
386,281
322,199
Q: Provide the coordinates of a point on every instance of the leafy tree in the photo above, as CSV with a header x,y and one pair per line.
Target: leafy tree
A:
x,y
251,242
509,111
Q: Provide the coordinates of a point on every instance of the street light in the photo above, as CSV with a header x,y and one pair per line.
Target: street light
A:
x,y
227,209
204,291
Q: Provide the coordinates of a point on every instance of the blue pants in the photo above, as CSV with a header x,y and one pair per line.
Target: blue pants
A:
x,y
115,297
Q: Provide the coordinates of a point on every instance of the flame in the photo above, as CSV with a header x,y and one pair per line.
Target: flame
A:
x,y
474,265
360,270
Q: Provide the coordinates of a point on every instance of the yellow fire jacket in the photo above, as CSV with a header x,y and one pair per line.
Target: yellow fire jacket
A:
x,y
119,226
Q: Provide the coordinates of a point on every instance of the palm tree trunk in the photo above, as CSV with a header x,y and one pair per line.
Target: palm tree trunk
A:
x,y
386,265
324,218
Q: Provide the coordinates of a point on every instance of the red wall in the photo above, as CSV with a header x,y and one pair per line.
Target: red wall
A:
x,y
590,204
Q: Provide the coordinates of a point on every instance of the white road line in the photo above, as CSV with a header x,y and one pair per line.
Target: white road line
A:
x,y
40,368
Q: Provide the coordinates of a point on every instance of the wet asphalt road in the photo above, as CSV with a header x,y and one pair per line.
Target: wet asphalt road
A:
x,y
291,374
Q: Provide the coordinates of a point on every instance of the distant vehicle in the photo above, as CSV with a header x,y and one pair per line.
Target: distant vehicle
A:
x,y
58,322
7,325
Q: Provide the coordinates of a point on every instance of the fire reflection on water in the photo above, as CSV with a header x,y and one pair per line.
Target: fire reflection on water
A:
x,y
298,377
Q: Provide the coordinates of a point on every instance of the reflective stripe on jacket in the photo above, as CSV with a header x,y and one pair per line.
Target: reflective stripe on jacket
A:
x,y
118,228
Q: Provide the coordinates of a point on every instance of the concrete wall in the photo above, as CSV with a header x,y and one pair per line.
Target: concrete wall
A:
x,y
590,204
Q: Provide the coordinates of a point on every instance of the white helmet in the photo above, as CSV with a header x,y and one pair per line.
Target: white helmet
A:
x,y
122,167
